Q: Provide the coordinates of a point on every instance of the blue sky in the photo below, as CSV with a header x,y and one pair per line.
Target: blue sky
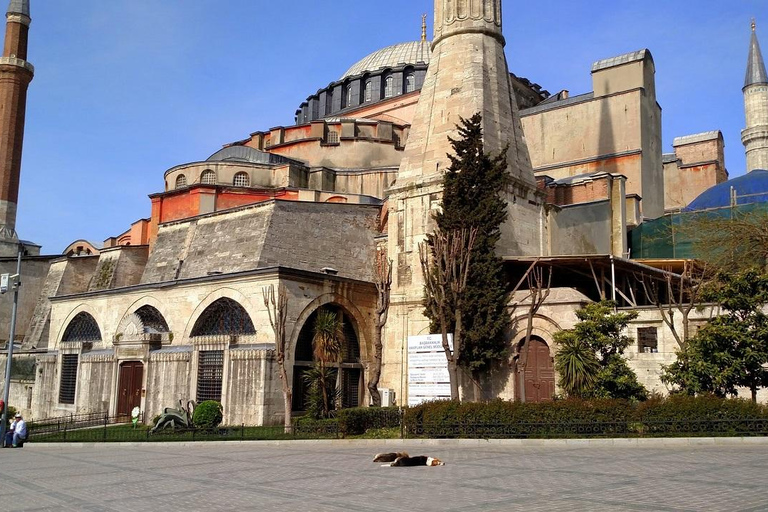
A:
x,y
125,89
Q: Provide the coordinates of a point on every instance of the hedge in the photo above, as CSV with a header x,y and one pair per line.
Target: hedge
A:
x,y
359,420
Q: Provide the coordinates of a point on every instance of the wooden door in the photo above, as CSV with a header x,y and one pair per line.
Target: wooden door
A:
x,y
539,373
129,387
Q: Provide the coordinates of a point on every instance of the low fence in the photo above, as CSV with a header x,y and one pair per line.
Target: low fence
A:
x,y
75,422
88,428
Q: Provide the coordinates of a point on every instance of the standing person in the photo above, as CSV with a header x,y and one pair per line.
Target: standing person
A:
x,y
19,431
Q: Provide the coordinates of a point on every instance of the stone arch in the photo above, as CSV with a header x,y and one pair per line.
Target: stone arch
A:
x,y
82,308
229,293
362,326
147,301
82,328
543,327
350,374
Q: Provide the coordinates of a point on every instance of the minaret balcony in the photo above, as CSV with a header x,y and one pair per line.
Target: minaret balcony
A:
x,y
753,134
17,62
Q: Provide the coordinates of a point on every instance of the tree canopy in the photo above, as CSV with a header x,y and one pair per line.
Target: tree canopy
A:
x,y
731,350
589,360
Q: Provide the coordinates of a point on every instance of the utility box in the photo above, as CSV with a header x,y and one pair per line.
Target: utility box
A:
x,y
387,397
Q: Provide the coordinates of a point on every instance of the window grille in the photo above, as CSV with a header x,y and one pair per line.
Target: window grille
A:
x,y
242,180
181,181
389,86
648,339
333,137
225,316
210,371
410,82
82,328
68,379
350,386
152,319
208,178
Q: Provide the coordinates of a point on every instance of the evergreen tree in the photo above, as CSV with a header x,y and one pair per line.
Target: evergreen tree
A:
x,y
731,350
472,189
590,361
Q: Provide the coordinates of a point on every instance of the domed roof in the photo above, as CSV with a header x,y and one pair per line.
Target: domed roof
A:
x,y
413,52
753,184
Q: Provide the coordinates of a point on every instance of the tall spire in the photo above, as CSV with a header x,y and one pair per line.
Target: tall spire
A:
x,y
19,7
423,27
755,65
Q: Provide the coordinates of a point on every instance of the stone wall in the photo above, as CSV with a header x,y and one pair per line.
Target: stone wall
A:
x,y
167,381
95,382
254,393
33,274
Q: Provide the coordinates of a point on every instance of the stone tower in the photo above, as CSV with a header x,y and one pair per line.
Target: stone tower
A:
x,y
467,74
755,135
15,75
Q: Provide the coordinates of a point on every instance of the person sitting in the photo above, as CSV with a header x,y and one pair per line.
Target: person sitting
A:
x,y
19,431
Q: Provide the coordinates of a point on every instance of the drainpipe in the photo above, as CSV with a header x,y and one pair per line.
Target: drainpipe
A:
x,y
613,279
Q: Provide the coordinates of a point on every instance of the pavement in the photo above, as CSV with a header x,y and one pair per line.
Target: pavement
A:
x,y
308,476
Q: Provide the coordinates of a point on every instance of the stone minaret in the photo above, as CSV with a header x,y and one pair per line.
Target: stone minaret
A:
x,y
15,75
755,135
467,74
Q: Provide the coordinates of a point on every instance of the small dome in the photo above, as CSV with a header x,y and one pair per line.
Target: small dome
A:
x,y
753,184
413,52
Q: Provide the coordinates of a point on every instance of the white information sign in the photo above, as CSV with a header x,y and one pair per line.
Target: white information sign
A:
x,y
428,369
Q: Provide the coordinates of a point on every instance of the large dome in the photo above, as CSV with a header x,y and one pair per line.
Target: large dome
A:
x,y
749,188
392,56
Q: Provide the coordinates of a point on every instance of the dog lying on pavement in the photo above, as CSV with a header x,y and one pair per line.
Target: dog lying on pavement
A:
x,y
402,459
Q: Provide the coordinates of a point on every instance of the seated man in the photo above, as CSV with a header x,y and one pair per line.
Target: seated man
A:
x,y
19,431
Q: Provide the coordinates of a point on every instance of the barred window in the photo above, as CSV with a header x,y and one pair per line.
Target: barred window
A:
x,y
210,371
242,180
152,319
181,181
647,339
333,137
68,379
208,177
225,316
82,328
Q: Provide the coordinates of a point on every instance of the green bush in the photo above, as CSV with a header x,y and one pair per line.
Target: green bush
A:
x,y
208,415
357,421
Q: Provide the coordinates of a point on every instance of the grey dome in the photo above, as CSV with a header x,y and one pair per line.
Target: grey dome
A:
x,y
413,52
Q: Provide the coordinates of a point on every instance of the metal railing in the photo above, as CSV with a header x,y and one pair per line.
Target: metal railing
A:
x,y
75,422
92,428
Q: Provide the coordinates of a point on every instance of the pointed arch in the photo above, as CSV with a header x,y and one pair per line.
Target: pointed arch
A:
x,y
82,328
230,293
224,316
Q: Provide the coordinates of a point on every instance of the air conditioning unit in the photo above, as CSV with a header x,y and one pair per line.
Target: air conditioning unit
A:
x,y
387,397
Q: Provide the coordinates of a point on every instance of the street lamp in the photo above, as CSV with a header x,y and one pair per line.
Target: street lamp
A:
x,y
7,282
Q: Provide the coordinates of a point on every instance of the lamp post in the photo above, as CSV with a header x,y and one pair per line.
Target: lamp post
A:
x,y
15,282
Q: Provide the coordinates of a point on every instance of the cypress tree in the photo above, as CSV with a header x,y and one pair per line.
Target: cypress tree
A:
x,y
472,189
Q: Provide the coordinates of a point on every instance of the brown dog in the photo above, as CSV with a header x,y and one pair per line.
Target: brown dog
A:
x,y
388,457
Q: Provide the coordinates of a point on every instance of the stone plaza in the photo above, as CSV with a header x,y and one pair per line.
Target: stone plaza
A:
x,y
572,475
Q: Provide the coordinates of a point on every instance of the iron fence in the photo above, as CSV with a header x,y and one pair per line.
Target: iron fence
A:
x,y
96,428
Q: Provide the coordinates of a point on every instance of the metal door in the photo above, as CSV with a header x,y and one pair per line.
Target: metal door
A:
x,y
129,387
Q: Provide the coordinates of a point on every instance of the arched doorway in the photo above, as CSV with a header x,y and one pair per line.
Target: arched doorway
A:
x,y
349,372
539,373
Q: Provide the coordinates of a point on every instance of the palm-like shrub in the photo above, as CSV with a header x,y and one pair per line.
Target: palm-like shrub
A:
x,y
576,364
327,347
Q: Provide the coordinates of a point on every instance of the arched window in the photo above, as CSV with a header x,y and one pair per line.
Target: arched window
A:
x,y
242,180
208,177
389,86
82,328
410,82
152,319
348,372
223,317
348,98
368,92
181,181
